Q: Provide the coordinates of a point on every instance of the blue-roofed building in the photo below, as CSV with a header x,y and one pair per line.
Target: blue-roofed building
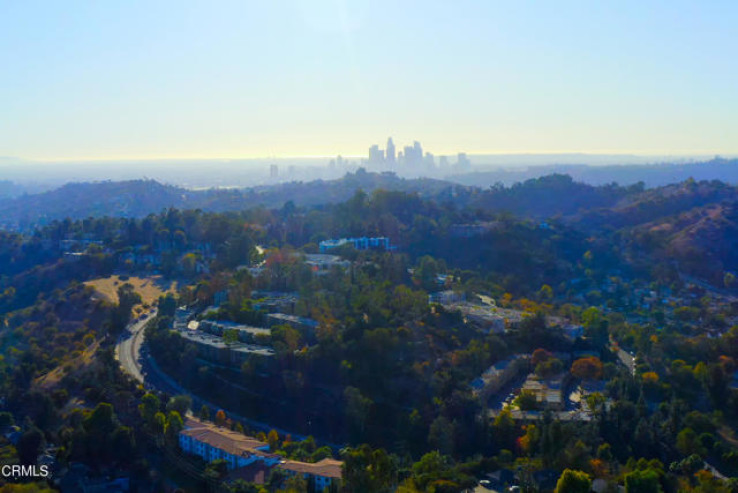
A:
x,y
363,243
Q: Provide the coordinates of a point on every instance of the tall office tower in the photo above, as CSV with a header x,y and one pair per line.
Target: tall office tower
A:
x,y
462,161
429,161
443,162
376,155
418,153
409,156
273,171
390,151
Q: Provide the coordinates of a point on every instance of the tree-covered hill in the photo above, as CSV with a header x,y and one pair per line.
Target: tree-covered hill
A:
x,y
138,198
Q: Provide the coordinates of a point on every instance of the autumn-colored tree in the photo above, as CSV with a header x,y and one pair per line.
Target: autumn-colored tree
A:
x,y
587,368
650,377
599,467
528,442
220,417
539,356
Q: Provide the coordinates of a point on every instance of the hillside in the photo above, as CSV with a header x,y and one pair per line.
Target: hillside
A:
x,y
651,175
702,241
650,205
552,195
139,198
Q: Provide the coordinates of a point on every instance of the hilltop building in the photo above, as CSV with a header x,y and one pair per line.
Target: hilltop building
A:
x,y
363,243
248,457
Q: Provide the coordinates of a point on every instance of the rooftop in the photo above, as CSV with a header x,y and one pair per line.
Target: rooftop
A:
x,y
239,445
293,318
328,468
222,438
217,342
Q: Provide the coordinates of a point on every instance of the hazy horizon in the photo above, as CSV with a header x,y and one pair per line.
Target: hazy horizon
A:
x,y
141,80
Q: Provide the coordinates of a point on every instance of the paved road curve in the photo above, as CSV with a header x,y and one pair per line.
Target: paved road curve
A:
x,y
128,348
139,364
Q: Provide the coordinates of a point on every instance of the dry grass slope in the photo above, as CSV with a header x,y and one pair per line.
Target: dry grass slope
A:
x,y
150,288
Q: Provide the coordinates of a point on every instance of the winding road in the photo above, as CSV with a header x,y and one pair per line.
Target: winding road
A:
x,y
135,360
128,348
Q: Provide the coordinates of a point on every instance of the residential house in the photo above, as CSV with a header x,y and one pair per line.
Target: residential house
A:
x,y
498,375
549,392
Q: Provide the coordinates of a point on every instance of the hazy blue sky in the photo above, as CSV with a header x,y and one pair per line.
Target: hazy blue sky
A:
x,y
128,79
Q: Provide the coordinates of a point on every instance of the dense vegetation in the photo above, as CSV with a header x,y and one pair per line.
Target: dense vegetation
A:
x,y
385,373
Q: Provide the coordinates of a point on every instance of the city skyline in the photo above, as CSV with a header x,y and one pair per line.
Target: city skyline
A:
x,y
103,81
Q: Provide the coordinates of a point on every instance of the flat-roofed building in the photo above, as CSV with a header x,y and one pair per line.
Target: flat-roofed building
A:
x,y
246,333
305,325
212,348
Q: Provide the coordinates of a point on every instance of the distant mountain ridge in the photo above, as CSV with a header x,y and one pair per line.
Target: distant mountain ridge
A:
x,y
138,198
652,175
691,226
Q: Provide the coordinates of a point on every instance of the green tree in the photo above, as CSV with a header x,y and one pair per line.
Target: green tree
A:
x,y
572,481
688,443
273,440
504,429
127,299
729,280
230,336
29,445
180,403
365,469
148,408
174,425
357,408
441,435
123,445
526,401
167,305
545,293
642,481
